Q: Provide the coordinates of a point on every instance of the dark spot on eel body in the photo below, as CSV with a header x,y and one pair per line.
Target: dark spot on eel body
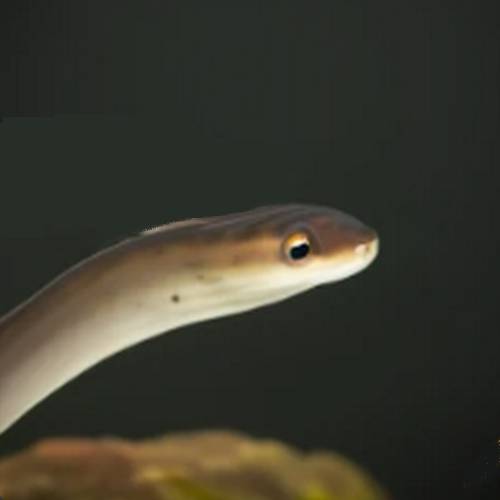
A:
x,y
175,298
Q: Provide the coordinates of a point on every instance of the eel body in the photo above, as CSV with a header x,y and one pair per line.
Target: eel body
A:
x,y
167,277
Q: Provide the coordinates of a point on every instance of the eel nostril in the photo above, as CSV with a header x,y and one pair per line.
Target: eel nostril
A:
x,y
362,249
366,249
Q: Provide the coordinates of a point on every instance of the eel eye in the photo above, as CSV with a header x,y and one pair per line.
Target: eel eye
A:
x,y
297,246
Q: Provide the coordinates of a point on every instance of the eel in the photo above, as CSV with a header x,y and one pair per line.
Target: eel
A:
x,y
167,277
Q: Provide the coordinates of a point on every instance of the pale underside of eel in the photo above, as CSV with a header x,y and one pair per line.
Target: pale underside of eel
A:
x,y
166,277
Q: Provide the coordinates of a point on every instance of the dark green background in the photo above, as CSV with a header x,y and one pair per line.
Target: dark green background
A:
x,y
121,115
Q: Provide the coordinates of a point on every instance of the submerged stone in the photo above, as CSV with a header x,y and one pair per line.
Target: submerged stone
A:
x,y
214,465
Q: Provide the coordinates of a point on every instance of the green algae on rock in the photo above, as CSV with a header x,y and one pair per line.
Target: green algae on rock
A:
x,y
214,465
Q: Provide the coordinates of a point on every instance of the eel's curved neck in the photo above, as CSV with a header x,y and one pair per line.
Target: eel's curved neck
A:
x,y
108,303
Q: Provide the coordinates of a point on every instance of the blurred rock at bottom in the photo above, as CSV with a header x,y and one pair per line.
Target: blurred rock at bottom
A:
x,y
194,466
